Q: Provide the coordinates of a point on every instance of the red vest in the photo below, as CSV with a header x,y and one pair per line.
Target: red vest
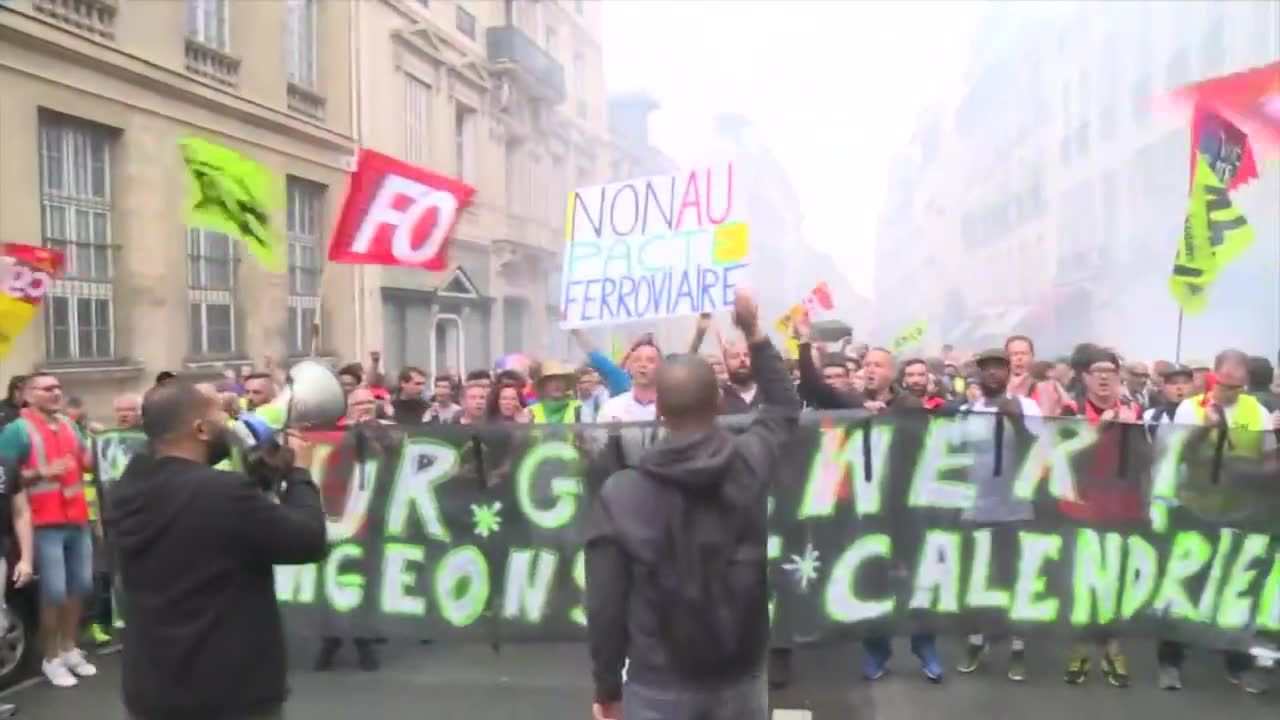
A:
x,y
57,501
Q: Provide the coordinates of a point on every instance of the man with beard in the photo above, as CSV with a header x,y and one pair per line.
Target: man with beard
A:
x,y
196,551
740,394
997,452
52,458
915,382
690,516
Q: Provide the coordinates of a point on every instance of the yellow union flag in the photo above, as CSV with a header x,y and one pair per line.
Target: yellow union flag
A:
x,y
231,194
909,337
1214,234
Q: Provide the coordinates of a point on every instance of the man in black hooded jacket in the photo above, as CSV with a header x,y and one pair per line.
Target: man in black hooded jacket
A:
x,y
204,638
636,534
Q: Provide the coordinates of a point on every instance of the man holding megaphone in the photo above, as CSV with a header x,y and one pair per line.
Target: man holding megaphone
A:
x,y
196,550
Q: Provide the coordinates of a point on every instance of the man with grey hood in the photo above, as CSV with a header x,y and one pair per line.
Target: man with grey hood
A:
x,y
676,550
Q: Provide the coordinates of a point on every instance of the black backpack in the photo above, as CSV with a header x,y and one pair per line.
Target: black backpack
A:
x,y
710,578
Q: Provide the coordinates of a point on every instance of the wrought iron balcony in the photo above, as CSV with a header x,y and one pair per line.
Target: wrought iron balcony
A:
x,y
537,70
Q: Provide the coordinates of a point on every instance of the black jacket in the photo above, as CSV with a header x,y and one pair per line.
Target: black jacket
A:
x,y
626,527
204,640
732,403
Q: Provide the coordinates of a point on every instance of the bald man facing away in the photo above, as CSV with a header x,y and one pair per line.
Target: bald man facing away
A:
x,y
196,550
695,634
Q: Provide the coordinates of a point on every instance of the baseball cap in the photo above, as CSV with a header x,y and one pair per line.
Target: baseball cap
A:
x,y
1174,370
992,355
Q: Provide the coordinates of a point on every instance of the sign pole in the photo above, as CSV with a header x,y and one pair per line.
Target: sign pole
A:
x,y
1177,351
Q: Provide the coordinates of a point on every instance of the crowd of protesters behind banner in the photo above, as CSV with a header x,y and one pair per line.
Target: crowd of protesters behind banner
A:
x,y
60,546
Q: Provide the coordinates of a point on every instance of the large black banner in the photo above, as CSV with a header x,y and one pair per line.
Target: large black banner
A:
x,y
879,525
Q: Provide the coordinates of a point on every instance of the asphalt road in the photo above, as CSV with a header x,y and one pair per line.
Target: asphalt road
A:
x,y
440,682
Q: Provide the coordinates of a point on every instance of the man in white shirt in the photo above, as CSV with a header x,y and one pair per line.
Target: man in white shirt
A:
x,y
996,452
639,403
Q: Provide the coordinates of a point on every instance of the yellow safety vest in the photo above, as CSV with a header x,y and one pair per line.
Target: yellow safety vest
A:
x,y
1245,431
573,412
1245,434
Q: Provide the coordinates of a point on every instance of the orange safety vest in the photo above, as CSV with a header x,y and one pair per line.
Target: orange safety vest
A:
x,y
60,501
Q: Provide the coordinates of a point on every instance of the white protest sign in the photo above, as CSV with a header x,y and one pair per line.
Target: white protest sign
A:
x,y
654,247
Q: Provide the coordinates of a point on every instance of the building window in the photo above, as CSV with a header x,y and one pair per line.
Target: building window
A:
x,y
418,124
463,120
75,214
465,22
302,42
211,283
207,21
305,201
447,354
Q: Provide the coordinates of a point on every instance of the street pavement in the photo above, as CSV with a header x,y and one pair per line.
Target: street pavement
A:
x,y
532,682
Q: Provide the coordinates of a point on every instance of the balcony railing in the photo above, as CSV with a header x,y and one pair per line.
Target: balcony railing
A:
x,y
93,17
543,75
305,101
212,63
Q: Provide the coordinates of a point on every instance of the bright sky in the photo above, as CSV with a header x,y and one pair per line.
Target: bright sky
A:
x,y
834,86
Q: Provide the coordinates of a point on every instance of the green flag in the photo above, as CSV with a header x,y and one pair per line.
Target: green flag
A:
x,y
909,337
234,195
1214,233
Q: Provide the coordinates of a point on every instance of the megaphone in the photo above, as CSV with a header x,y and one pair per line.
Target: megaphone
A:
x,y
312,396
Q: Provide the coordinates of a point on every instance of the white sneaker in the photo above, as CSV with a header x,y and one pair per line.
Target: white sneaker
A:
x,y
58,673
75,661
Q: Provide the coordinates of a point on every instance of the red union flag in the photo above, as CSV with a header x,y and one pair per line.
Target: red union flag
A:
x,y
397,214
1249,99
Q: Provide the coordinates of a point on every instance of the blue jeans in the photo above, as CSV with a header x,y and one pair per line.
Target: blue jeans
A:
x,y
64,562
745,700
881,648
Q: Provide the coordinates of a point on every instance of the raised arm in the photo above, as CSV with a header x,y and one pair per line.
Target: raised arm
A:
x,y
615,378
813,388
700,333
780,412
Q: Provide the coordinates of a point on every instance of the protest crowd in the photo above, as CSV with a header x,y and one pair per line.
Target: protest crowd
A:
x,y
63,546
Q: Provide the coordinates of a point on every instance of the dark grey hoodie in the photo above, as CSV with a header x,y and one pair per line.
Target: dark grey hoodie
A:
x,y
628,521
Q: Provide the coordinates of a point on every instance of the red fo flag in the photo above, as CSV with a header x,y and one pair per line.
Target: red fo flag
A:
x,y
1249,99
1224,146
818,299
397,214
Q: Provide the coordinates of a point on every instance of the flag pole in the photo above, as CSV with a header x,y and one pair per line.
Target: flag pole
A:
x,y
1177,350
